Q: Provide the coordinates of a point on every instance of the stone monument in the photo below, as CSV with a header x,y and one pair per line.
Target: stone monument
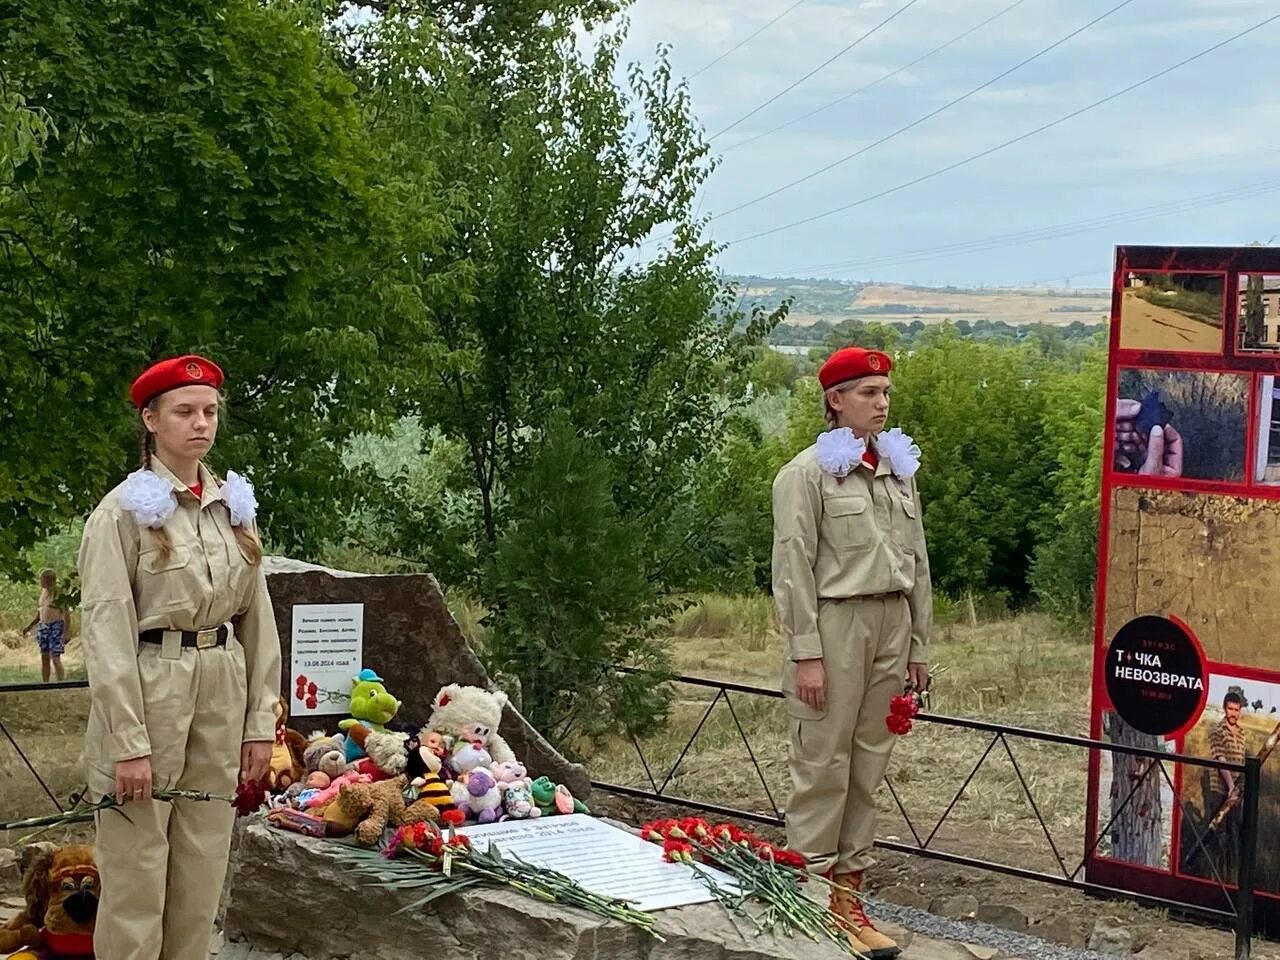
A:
x,y
413,642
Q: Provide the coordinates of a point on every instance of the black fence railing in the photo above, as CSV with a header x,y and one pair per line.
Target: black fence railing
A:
x,y
1238,911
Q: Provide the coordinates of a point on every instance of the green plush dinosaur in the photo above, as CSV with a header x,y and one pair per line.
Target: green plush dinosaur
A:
x,y
371,708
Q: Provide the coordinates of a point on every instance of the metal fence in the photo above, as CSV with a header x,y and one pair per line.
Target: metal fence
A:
x,y
1239,910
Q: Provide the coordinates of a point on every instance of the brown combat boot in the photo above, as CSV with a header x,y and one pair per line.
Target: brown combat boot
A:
x,y
839,905
874,944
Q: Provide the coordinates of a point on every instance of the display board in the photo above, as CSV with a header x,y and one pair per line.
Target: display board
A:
x,y
1187,634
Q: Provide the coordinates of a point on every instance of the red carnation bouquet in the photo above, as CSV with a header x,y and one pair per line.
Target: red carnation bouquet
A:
x,y
902,709
765,873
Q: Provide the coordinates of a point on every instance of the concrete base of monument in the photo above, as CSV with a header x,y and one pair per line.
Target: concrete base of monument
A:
x,y
286,897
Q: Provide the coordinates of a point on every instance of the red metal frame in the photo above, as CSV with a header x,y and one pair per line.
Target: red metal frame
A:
x,y
1231,263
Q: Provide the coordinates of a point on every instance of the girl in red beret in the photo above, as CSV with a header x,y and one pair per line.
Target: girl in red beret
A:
x,y
851,586
183,659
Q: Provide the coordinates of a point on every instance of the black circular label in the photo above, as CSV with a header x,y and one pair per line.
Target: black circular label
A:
x,y
1155,675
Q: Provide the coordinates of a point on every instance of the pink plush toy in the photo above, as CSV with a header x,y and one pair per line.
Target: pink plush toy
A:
x,y
330,793
508,773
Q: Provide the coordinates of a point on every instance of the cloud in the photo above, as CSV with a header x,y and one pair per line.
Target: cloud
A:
x,y
1203,125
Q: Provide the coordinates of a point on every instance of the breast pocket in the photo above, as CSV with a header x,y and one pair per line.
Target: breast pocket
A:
x,y
906,523
163,579
847,522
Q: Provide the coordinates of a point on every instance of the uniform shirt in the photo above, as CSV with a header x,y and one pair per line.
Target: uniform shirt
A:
x,y
128,586
1225,743
835,540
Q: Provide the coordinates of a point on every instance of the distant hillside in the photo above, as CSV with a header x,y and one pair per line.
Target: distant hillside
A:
x,y
834,301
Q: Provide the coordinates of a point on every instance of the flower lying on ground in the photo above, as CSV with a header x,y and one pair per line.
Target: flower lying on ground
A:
x,y
765,874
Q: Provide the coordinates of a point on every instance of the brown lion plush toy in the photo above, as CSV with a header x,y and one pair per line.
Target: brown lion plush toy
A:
x,y
61,888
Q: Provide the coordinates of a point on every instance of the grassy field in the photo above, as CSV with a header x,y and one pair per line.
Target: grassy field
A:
x,y
1021,670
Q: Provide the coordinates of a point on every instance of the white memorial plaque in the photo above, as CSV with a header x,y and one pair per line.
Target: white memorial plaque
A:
x,y
601,858
327,651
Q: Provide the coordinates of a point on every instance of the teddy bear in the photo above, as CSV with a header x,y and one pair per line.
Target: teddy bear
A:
x,y
324,754
370,807
372,707
479,798
471,715
61,889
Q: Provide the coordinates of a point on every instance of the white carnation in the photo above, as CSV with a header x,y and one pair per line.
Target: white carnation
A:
x,y
901,452
839,451
237,493
149,497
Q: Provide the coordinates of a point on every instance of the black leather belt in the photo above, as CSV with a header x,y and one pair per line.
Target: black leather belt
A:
x,y
202,639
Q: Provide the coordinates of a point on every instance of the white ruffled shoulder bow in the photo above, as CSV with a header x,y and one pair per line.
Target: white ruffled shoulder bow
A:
x,y
839,452
152,500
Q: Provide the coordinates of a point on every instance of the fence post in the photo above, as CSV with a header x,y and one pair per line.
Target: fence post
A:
x,y
1248,857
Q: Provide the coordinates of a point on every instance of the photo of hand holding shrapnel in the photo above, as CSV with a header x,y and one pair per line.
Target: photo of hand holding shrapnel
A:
x,y
1180,424
1146,442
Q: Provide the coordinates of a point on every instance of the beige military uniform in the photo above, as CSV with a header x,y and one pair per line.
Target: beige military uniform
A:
x,y
189,708
851,585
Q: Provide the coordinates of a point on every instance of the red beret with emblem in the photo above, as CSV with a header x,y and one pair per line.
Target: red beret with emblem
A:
x,y
173,373
850,363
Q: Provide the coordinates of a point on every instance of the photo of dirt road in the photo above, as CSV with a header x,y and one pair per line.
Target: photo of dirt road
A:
x,y
1208,560
1178,313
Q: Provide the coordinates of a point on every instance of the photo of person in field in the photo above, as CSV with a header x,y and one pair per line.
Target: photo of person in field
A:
x,y
1241,719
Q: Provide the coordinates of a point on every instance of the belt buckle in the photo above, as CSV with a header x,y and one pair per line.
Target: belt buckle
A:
x,y
206,639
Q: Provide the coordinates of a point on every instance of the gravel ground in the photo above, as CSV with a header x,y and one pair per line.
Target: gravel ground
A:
x,y
1011,944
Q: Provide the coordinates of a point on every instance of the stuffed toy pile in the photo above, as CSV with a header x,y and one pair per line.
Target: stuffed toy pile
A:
x,y
378,773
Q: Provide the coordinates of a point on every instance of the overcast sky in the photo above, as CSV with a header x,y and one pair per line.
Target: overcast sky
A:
x,y
1211,127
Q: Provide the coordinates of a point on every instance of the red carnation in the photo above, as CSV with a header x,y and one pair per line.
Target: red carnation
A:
x,y
459,842
454,817
311,703
677,851
250,797
312,689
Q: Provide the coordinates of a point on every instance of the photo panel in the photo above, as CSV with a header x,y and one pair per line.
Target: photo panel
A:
x,y
1181,424
1135,809
1209,560
1266,459
1241,719
1258,310
1172,312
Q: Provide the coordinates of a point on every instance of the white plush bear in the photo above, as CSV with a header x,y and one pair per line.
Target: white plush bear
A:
x,y
471,715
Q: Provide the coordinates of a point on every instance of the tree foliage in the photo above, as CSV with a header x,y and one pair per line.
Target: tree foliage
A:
x,y
208,190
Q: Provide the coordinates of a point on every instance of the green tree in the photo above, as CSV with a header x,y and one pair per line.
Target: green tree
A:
x,y
1064,567
572,595
209,190
532,311
1254,323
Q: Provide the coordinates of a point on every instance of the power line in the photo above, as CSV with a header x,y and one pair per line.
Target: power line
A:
x,y
1008,143
879,80
928,116
742,43
826,63
1077,183
1134,215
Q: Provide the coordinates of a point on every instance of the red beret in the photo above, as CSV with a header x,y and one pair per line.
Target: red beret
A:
x,y
171,374
850,363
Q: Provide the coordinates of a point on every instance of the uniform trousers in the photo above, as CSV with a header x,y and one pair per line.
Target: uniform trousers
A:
x,y
163,864
838,755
